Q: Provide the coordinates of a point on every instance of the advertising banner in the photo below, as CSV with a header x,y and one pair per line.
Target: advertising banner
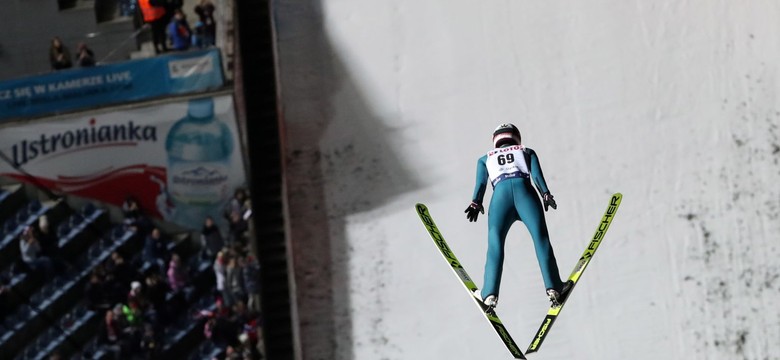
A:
x,y
84,88
180,160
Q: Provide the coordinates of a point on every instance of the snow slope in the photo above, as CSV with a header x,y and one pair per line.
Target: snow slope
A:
x,y
674,104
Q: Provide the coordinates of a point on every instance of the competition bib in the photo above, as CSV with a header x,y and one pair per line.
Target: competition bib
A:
x,y
506,163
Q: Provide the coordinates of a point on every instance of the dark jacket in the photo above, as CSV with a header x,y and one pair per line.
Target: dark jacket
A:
x,y
212,239
154,250
234,281
180,33
59,62
251,274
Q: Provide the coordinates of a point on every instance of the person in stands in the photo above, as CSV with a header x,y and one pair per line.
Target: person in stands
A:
x,y
205,11
30,250
155,251
177,273
251,274
153,12
59,56
85,56
179,31
210,238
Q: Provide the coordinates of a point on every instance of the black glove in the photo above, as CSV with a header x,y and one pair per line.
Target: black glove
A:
x,y
473,211
549,201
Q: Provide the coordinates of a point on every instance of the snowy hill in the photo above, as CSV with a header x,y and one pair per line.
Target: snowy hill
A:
x,y
674,104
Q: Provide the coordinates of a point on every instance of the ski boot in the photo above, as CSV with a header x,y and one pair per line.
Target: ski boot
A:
x,y
490,301
557,298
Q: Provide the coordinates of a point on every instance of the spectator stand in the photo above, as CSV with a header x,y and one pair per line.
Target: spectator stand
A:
x,y
28,215
23,283
58,296
11,199
65,337
74,234
52,316
178,334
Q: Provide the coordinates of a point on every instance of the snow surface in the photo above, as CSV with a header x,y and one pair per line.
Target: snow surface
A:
x,y
672,103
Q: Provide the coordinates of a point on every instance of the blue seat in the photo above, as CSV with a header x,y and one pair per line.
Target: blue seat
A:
x,y
88,351
10,320
47,290
88,209
63,229
37,298
33,206
58,282
94,251
24,313
22,215
117,232
44,339
68,321
30,352
82,262
9,226
74,220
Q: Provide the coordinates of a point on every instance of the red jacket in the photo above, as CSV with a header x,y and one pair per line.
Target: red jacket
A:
x,y
151,12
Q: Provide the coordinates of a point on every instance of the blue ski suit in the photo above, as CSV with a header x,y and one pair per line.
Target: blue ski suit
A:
x,y
510,169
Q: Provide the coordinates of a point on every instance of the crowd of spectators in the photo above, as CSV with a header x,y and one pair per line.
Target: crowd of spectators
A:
x,y
139,297
206,27
136,296
139,294
234,325
60,58
38,251
169,26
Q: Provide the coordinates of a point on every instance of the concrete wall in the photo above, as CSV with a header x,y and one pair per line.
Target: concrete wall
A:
x,y
27,27
672,103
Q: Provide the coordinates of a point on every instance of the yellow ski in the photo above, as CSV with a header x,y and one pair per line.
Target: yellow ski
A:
x,y
582,263
460,272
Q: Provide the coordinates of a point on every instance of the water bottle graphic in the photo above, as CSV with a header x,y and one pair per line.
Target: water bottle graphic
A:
x,y
199,148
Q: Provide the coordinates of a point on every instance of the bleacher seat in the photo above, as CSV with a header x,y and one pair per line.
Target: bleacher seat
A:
x,y
117,232
93,252
74,220
48,291
11,199
9,226
56,297
34,206
22,215
38,297
54,308
30,351
206,350
8,324
63,229
88,209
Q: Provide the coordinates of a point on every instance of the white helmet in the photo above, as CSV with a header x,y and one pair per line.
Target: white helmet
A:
x,y
506,134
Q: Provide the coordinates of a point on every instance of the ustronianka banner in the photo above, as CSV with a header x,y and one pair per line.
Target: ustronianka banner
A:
x,y
85,88
181,160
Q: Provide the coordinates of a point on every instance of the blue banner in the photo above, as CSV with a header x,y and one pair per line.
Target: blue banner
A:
x,y
117,83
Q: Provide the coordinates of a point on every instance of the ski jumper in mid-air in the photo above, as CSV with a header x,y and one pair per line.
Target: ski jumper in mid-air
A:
x,y
510,167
